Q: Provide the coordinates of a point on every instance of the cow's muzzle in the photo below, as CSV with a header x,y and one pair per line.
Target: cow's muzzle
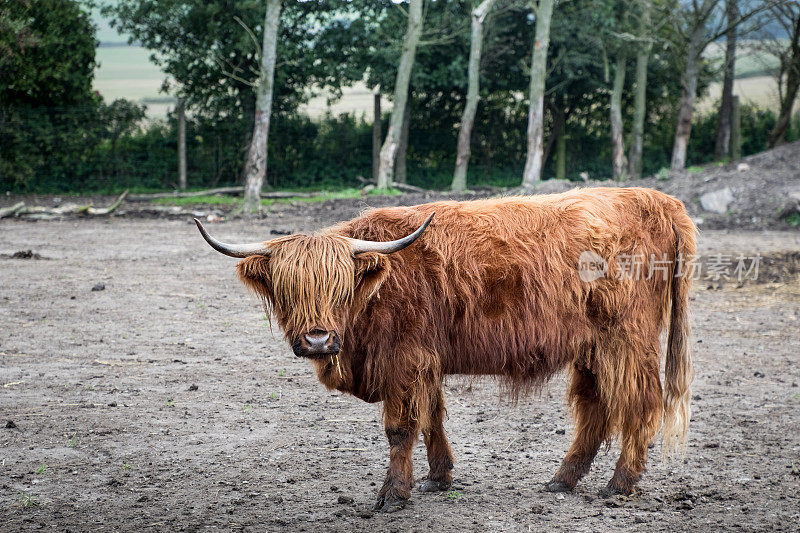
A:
x,y
317,343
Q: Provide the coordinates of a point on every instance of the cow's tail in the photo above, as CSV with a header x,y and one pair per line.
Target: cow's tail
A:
x,y
678,373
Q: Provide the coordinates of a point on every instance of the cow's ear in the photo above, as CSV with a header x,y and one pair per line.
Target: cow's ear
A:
x,y
371,270
254,272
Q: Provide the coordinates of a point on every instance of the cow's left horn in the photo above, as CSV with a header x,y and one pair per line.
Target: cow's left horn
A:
x,y
234,250
359,246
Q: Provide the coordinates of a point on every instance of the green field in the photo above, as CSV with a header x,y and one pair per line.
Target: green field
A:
x,y
127,72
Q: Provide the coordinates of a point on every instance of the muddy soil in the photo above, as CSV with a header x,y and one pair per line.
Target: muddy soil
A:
x,y
161,401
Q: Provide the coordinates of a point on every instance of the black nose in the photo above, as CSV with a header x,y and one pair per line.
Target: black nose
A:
x,y
317,342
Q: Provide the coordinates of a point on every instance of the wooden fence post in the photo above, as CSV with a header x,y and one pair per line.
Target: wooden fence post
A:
x,y
377,138
181,143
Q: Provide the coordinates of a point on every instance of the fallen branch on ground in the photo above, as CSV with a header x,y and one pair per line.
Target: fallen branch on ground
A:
x,y
66,209
9,211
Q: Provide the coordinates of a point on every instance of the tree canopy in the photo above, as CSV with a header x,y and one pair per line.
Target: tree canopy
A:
x,y
46,53
210,51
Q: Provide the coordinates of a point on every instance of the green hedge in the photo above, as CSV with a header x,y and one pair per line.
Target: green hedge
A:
x,y
110,147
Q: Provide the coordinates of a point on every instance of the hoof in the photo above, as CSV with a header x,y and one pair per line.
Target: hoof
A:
x,y
389,504
557,486
430,485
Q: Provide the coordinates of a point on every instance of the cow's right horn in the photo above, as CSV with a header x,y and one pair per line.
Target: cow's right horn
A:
x,y
234,250
359,246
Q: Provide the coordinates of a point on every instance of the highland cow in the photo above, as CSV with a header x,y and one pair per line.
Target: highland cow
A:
x,y
385,306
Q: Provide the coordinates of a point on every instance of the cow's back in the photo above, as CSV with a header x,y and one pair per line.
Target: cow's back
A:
x,y
494,286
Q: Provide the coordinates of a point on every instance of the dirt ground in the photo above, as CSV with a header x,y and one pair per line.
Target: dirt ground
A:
x,y
163,402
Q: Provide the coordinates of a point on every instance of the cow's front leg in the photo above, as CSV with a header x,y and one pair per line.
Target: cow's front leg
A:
x,y
440,456
402,432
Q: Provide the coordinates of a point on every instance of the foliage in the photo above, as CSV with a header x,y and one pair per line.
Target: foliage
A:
x,y
46,53
756,124
56,135
211,49
47,60
329,153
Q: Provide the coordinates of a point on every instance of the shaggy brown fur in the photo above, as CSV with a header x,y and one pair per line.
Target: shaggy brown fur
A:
x,y
492,287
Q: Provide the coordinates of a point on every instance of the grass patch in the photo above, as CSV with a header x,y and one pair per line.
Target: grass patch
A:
x,y
324,196
793,219
318,196
28,500
42,469
215,199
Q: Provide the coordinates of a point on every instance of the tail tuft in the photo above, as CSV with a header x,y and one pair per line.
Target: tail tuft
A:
x,y
679,371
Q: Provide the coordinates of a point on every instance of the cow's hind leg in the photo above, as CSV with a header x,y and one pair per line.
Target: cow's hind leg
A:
x,y
640,419
590,432
440,456
402,432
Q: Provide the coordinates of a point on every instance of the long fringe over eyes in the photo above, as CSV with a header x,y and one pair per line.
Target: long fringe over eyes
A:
x,y
307,281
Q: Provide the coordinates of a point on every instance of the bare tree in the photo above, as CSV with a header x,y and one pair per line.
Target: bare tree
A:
x,y
534,161
390,145
698,15
473,95
723,142
618,161
787,15
696,24
640,91
400,163
256,165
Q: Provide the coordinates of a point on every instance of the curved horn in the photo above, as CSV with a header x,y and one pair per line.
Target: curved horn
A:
x,y
359,246
234,250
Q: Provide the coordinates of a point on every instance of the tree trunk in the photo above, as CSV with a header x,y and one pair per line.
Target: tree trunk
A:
x,y
376,134
618,160
400,169
778,133
736,130
256,166
533,163
688,94
389,149
181,144
776,136
473,96
640,98
723,143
